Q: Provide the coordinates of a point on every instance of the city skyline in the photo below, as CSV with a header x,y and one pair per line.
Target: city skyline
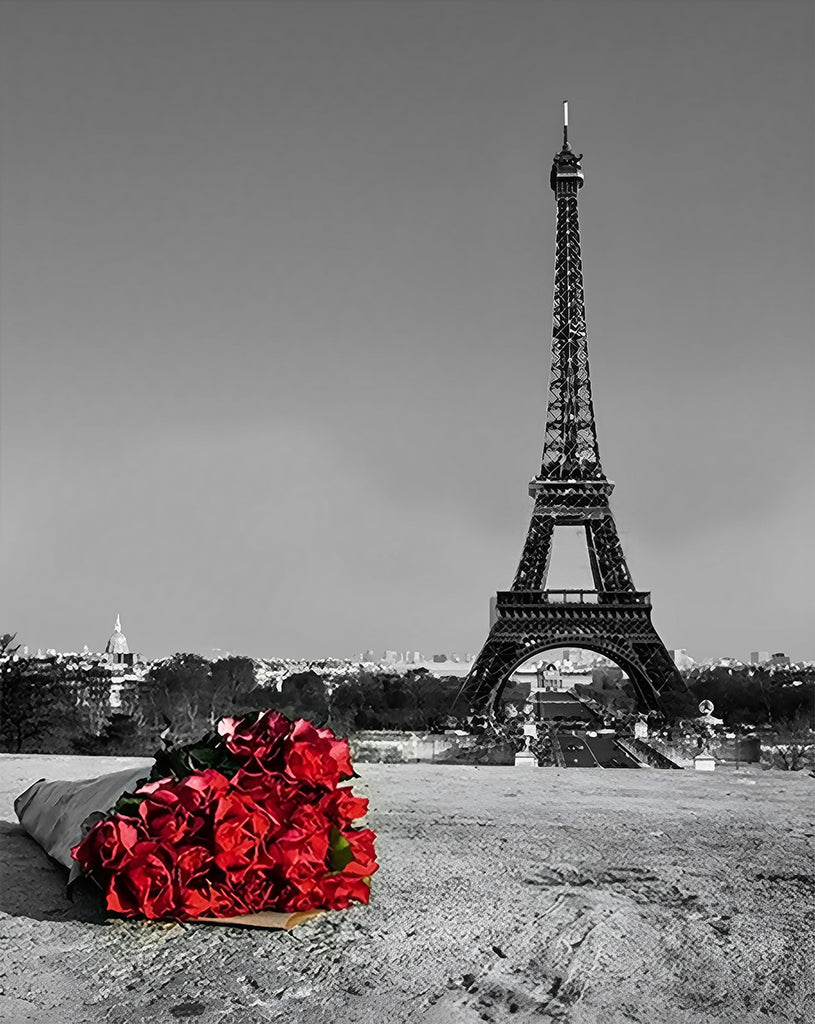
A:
x,y
406,657
275,316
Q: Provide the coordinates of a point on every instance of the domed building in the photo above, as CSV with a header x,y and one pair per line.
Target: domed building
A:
x,y
116,648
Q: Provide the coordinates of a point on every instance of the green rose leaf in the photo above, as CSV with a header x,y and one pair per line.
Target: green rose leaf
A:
x,y
128,804
339,853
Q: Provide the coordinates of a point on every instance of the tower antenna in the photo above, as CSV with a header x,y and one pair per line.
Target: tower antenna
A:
x,y
565,123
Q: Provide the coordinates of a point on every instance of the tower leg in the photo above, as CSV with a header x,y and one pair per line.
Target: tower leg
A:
x,y
608,565
537,553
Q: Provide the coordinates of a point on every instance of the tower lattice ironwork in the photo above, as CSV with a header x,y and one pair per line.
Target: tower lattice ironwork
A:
x,y
571,489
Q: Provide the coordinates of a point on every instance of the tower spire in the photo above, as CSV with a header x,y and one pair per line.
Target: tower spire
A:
x,y
570,448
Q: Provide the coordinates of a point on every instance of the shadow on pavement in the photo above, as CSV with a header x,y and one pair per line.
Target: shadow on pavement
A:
x,y
35,886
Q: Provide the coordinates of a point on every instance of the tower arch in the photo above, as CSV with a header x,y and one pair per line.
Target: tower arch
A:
x,y
610,650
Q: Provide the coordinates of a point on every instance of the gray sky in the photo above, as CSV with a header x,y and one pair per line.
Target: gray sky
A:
x,y
275,313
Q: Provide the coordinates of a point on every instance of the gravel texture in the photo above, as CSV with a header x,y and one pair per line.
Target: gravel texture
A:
x,y
530,895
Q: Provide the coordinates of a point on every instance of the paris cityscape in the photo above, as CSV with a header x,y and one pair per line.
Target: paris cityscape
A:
x,y
283,392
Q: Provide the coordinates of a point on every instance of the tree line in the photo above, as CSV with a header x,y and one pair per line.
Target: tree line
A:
x,y
63,705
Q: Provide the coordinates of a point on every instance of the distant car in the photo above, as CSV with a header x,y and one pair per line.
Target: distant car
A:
x,y
574,746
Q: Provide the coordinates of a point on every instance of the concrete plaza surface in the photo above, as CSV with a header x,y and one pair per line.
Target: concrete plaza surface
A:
x,y
569,895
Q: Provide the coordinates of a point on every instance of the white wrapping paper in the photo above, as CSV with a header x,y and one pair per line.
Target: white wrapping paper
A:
x,y
54,813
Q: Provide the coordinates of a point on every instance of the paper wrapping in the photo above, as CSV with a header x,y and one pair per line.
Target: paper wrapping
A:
x,y
59,814
53,813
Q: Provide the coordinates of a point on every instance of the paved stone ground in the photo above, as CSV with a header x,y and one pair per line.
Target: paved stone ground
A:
x,y
579,896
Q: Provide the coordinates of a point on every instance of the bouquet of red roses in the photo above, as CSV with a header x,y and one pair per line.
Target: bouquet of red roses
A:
x,y
250,819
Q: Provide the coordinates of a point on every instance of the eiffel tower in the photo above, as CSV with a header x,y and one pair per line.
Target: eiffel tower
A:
x,y
571,489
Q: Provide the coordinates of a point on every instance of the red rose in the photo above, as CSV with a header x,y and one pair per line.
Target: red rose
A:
x,y
108,844
198,788
241,833
257,890
308,756
342,807
335,892
192,896
192,866
303,848
260,740
193,903
277,796
143,884
353,852
340,751
174,810
159,881
361,842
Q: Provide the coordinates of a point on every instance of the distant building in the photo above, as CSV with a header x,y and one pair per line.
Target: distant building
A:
x,y
116,649
780,659
575,665
759,657
681,658
406,661
525,675
549,677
